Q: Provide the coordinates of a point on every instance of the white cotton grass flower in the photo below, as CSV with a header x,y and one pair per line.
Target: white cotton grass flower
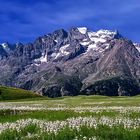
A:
x,y
72,123
63,107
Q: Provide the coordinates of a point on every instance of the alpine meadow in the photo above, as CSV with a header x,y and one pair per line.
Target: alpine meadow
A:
x,y
69,70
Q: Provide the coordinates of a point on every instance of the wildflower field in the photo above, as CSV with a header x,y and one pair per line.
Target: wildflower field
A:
x,y
71,118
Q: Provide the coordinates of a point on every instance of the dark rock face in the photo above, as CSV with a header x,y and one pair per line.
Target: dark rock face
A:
x,y
118,86
70,63
3,53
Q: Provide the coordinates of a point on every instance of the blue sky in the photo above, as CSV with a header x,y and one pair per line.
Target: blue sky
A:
x,y
25,20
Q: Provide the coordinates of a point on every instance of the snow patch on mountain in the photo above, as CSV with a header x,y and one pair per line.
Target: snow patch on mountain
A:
x,y
137,46
56,41
106,33
85,43
54,54
101,35
95,47
82,30
62,52
63,49
5,47
43,40
42,59
92,47
96,38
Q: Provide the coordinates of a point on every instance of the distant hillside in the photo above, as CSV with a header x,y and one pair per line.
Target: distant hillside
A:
x,y
9,93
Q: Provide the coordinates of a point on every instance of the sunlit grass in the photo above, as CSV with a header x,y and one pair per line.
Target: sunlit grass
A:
x,y
61,109
9,93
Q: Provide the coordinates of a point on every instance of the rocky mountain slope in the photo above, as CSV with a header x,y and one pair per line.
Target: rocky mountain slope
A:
x,y
73,62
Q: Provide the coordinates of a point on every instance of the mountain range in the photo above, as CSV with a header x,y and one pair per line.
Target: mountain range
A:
x,y
69,63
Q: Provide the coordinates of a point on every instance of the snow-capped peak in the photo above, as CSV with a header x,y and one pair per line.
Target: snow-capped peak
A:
x,y
137,46
106,32
82,30
96,38
101,35
6,47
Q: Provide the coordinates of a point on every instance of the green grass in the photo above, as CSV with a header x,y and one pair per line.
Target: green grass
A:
x,y
102,132
51,115
9,93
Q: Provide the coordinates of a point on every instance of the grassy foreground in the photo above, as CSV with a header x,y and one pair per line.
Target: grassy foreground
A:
x,y
71,118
